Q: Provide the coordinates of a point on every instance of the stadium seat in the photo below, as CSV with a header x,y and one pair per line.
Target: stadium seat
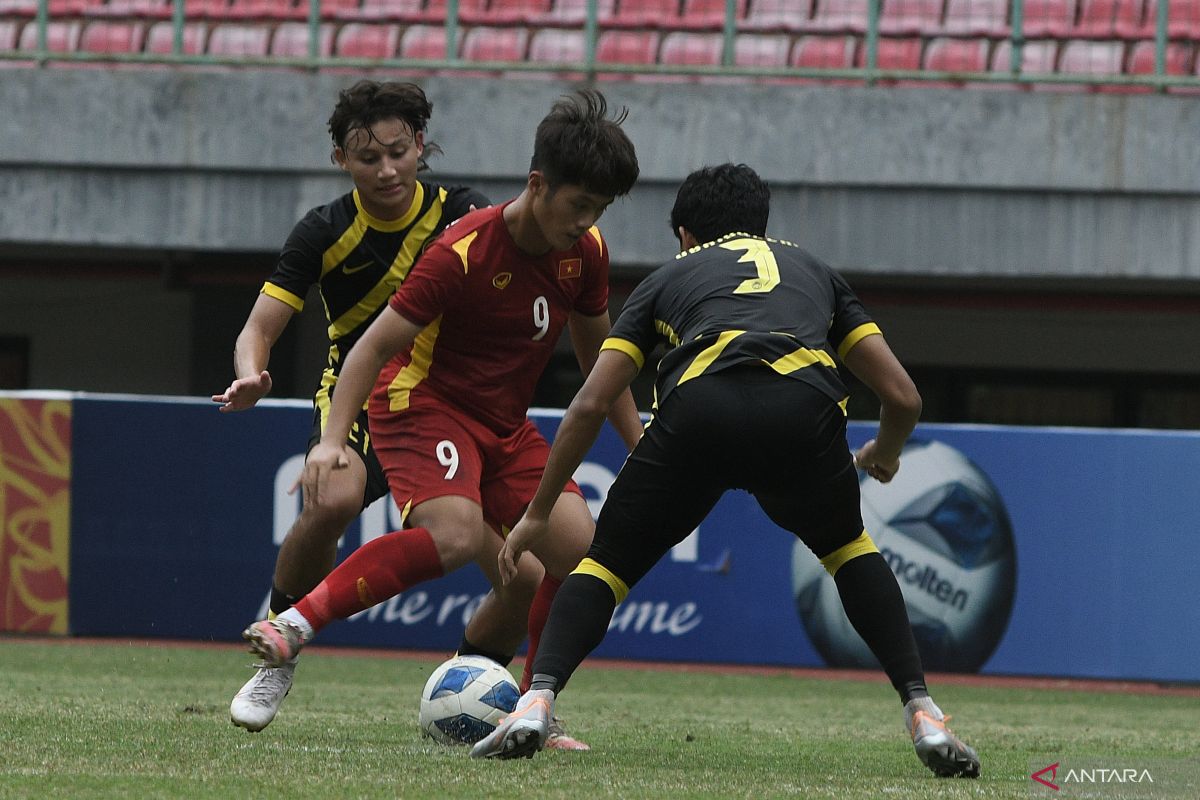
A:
x,y
62,36
232,39
206,9
824,52
291,40
469,11
1141,58
384,10
957,55
23,9
112,36
761,50
1091,58
910,17
571,13
70,8
160,39
1100,19
1036,57
9,31
977,18
134,9
513,12
266,9
784,16
365,40
554,46
495,44
894,54
839,16
1183,21
627,47
710,14
647,14
1048,18
691,49
1136,20
426,42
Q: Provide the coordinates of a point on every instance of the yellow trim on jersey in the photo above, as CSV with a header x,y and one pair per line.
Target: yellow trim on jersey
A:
x,y
666,330
283,295
845,401
392,225
462,246
624,346
349,240
857,335
595,232
417,370
861,546
708,355
597,570
799,359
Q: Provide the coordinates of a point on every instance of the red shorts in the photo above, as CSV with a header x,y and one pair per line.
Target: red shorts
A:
x,y
430,451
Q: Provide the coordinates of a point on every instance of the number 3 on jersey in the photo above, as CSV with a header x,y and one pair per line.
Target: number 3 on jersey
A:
x,y
759,253
447,456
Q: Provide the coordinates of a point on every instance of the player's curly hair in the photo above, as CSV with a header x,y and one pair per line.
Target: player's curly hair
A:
x,y
714,201
577,143
367,102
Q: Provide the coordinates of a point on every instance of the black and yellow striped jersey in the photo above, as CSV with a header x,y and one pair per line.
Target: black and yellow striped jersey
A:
x,y
743,299
357,260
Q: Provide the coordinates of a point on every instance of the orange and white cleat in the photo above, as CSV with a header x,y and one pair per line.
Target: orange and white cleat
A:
x,y
523,732
937,747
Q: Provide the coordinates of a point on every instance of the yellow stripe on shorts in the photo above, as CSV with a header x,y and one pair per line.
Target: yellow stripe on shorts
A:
x,y
859,547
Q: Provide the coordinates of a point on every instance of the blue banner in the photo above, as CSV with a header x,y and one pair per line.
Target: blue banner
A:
x,y
1019,550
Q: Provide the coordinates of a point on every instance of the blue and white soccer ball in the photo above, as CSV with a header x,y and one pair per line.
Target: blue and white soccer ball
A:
x,y
942,527
465,698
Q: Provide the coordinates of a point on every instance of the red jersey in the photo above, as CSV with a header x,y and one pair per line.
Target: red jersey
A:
x,y
492,315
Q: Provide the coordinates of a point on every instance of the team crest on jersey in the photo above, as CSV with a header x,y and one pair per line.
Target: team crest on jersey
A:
x,y
502,280
570,268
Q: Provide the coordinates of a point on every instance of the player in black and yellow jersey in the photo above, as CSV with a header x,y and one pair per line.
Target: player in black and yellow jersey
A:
x,y
749,398
357,250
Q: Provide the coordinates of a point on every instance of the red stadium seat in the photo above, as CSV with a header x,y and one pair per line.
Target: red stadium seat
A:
x,y
62,36
468,10
569,13
388,10
761,50
231,39
291,40
365,40
1183,21
957,55
424,42
710,14
647,14
786,16
112,36
1107,18
827,52
266,9
70,8
553,46
894,54
691,49
160,39
495,44
1136,19
627,47
9,29
910,17
1092,58
977,18
1048,18
18,8
1036,57
840,16
513,12
1141,59
206,9
140,9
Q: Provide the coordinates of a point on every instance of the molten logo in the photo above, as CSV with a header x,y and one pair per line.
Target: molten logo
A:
x,y
1038,776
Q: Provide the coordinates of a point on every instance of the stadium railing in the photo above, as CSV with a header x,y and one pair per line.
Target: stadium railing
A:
x,y
1110,45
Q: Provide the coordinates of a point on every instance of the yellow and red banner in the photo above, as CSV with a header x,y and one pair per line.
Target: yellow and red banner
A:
x,y
35,514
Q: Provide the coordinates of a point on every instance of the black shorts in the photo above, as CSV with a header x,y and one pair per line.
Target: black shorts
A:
x,y
747,428
360,442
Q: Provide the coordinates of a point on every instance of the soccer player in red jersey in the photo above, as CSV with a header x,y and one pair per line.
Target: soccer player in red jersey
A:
x,y
454,363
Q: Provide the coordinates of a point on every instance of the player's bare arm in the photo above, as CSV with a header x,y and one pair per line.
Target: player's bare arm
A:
x,y
873,363
388,334
587,334
252,352
608,380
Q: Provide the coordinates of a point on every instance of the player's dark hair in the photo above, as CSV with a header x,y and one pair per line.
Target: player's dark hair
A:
x,y
367,102
714,201
578,143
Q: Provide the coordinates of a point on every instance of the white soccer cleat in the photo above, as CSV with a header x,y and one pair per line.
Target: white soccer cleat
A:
x,y
256,704
523,732
936,745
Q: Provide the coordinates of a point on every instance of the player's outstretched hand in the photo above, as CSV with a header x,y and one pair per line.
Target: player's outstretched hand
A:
x,y
244,392
527,533
870,461
322,460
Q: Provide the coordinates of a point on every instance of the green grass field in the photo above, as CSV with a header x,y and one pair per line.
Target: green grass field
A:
x,y
115,719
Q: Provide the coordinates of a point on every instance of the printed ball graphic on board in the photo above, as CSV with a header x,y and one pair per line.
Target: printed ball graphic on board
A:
x,y
942,528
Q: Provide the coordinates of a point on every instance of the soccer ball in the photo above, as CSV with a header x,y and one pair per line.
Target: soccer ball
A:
x,y
465,698
942,527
